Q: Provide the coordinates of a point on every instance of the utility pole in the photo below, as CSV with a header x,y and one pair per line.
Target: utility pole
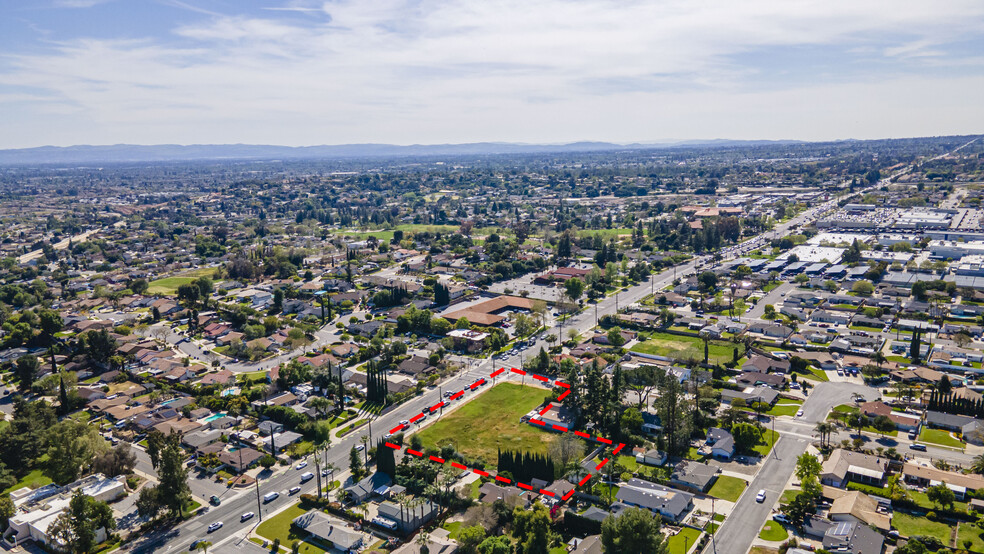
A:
x,y
259,506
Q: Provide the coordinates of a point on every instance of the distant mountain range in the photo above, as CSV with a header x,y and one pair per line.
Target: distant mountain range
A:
x,y
175,152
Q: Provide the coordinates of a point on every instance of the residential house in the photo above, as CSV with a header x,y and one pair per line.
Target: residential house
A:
x,y
753,378
858,507
330,529
361,491
949,422
961,484
845,466
694,476
719,444
672,504
651,458
408,521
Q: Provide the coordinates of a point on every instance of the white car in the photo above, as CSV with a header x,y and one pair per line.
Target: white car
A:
x,y
404,422
247,515
215,526
301,465
760,497
799,413
293,491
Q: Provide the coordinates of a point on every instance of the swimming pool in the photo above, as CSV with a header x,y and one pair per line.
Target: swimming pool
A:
x,y
213,417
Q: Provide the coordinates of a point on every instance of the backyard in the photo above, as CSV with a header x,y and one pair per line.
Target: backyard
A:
x,y
490,422
910,526
686,347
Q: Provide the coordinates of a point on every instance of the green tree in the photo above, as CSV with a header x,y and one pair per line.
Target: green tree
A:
x,y
173,490
863,287
941,495
635,530
807,465
469,538
7,510
76,528
26,368
573,289
355,464
496,545
532,529
71,445
883,424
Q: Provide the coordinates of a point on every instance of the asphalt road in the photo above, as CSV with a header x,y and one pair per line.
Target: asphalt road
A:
x,y
748,516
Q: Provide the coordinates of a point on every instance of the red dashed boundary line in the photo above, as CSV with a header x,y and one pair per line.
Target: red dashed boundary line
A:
x,y
559,428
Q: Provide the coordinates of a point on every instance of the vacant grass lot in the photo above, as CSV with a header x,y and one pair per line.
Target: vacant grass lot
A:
x,y
940,437
491,421
683,347
169,285
727,488
910,526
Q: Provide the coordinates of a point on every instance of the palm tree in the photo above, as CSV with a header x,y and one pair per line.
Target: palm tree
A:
x,y
203,546
879,358
977,466
422,539
856,397
824,429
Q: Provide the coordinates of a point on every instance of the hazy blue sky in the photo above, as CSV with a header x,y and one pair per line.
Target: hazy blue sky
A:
x,y
420,71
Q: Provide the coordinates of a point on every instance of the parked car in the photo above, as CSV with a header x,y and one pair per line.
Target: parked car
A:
x,y
782,518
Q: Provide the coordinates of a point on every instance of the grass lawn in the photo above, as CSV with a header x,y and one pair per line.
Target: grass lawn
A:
x,y
32,480
817,373
788,495
970,532
629,462
453,528
765,444
683,347
278,527
475,491
910,526
727,488
4,424
773,531
940,437
491,421
352,427
785,407
898,359
683,541
169,285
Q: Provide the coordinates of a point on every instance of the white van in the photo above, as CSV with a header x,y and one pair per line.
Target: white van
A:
x,y
271,497
305,477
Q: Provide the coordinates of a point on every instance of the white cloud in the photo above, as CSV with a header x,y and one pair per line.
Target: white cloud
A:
x,y
428,71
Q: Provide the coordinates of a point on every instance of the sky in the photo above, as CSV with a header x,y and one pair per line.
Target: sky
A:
x,y
306,72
